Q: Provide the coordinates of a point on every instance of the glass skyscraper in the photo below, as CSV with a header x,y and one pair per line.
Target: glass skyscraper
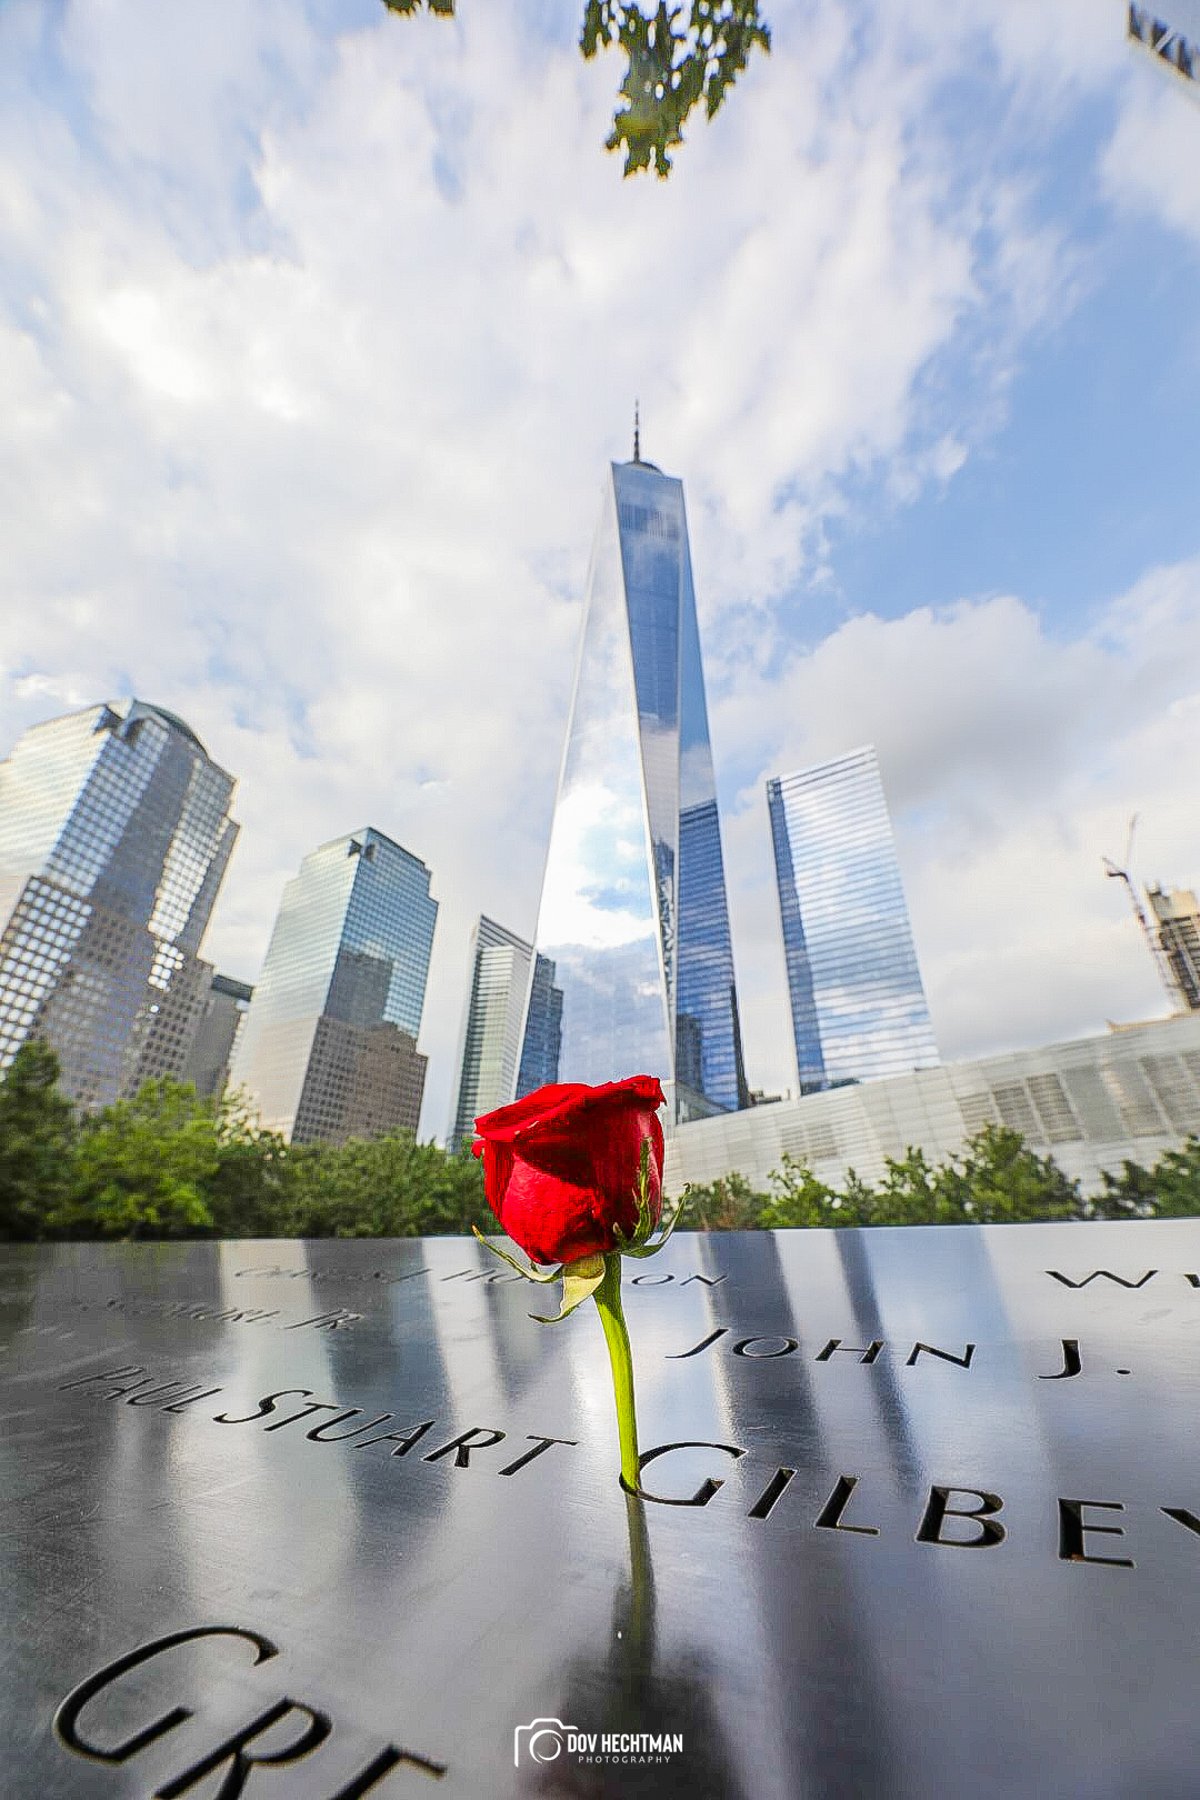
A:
x,y
502,1001
542,1049
634,913
858,1006
114,837
328,1047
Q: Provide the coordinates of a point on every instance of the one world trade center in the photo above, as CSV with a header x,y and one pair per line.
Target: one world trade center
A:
x,y
634,912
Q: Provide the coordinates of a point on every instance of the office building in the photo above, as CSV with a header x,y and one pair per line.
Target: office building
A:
x,y
1177,922
115,833
328,1047
542,1048
207,1063
1093,1104
501,1011
858,1006
634,913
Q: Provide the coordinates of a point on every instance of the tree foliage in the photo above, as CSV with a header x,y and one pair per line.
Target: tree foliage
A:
x,y
143,1168
1171,1190
37,1135
167,1165
727,1204
677,58
995,1178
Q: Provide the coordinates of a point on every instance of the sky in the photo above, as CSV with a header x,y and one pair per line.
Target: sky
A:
x,y
318,328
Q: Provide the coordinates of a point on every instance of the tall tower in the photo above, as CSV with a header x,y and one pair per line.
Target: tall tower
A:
x,y
502,1010
114,838
634,912
328,1047
858,1006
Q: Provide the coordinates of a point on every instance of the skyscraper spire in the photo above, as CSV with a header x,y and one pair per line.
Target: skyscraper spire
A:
x,y
637,437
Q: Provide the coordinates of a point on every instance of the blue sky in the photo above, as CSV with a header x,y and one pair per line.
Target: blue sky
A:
x,y
1091,478
317,328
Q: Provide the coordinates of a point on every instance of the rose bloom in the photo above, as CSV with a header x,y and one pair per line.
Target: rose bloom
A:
x,y
561,1166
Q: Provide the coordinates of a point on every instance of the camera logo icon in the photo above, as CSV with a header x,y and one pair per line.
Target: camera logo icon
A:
x,y
542,1740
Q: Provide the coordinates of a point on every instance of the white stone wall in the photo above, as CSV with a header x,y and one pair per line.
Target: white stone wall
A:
x,y
1091,1104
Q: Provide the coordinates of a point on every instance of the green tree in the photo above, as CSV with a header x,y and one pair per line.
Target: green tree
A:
x,y
1129,1195
676,59
249,1194
1176,1182
388,1186
996,1178
37,1140
143,1168
799,1198
908,1194
727,1204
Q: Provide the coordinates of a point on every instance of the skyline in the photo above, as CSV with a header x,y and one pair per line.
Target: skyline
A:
x,y
312,358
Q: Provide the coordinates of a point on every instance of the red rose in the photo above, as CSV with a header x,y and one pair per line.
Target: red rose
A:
x,y
561,1166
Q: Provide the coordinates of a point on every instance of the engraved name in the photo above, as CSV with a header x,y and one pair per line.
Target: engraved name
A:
x,y
1066,1357
261,1741
135,1386
953,1515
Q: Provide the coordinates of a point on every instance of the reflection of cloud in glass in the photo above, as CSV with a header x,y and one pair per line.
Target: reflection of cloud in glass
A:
x,y
858,1005
626,867
592,895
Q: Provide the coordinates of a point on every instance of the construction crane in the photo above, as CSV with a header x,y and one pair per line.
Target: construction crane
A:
x,y
1120,872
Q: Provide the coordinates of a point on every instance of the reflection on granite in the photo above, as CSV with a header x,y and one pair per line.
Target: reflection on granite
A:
x,y
339,1519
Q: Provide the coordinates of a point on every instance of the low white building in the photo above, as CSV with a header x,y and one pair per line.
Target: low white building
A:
x,y
1092,1104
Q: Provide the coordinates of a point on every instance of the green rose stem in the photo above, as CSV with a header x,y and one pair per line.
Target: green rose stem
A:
x,y
608,1299
599,1274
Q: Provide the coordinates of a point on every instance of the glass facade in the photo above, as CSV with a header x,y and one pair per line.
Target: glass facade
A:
x,y
634,913
327,1049
542,1049
858,1006
500,1002
114,838
491,1035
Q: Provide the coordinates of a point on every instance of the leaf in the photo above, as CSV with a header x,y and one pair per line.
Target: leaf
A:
x,y
675,61
579,1280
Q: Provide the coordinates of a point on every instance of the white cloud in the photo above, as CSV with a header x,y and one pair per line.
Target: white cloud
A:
x,y
1150,162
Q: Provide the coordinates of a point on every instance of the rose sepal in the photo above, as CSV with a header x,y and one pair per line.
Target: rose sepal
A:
x,y
580,1280
529,1274
632,1247
637,1243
